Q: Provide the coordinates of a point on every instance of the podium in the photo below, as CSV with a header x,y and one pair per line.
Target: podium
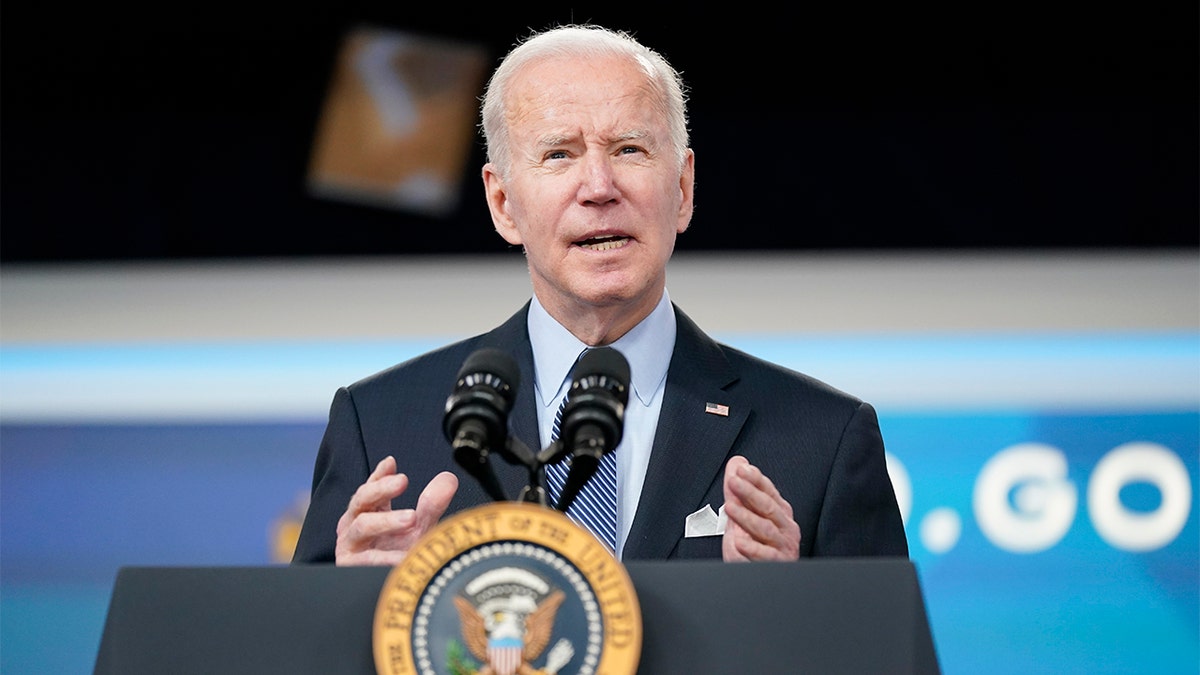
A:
x,y
853,615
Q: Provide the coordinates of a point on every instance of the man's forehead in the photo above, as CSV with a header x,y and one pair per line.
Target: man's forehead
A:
x,y
555,114
558,83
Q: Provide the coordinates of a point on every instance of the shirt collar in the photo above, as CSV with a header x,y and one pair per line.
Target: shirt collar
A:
x,y
647,347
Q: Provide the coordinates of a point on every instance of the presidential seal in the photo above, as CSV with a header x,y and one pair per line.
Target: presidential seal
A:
x,y
510,588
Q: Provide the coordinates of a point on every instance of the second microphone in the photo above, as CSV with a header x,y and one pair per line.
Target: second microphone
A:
x,y
593,418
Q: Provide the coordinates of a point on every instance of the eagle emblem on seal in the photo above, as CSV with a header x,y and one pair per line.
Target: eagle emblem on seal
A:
x,y
508,622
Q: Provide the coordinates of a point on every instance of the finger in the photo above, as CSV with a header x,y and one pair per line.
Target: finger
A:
x,y
729,545
729,548
376,494
375,538
435,498
759,538
749,549
760,524
755,526
386,466
369,541
739,545
368,527
758,507
754,490
775,510
384,536
779,546
732,467
753,475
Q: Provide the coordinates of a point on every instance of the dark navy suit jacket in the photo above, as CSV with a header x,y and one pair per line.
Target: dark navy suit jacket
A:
x,y
822,448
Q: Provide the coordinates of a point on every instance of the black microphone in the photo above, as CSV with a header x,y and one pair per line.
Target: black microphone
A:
x,y
594,417
476,421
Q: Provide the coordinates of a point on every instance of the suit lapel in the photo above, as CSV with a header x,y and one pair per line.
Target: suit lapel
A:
x,y
690,444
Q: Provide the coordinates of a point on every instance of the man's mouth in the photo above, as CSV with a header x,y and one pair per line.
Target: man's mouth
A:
x,y
603,243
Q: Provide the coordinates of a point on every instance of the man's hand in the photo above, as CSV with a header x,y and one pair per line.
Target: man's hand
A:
x,y
371,533
759,523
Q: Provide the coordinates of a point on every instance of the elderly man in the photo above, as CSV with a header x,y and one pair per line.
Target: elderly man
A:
x,y
590,172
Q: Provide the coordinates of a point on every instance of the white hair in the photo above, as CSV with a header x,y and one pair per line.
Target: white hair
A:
x,y
588,41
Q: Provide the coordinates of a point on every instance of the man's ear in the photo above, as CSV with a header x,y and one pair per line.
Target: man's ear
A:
x,y
497,199
687,184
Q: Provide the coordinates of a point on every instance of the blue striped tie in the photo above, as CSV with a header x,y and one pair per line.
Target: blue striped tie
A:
x,y
596,505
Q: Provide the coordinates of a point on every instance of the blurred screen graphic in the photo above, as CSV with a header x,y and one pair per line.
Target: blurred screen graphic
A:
x,y
398,121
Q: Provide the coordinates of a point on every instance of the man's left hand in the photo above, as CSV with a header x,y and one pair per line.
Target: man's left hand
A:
x,y
759,523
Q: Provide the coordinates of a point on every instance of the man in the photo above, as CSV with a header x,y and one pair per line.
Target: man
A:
x,y
590,172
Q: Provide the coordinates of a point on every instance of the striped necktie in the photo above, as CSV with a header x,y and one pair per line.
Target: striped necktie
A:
x,y
596,505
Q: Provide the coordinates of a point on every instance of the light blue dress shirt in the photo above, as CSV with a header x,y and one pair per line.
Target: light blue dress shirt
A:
x,y
648,348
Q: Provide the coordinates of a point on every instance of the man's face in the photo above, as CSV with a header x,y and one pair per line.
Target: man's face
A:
x,y
595,193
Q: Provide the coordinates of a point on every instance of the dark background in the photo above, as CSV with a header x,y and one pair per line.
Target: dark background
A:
x,y
184,131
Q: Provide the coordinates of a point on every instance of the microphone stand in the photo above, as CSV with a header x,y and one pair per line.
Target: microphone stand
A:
x,y
518,453
532,493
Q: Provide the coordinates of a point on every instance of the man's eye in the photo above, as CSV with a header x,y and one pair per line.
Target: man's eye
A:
x,y
557,154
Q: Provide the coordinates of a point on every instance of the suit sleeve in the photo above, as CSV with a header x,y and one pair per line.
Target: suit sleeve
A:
x,y
341,467
859,516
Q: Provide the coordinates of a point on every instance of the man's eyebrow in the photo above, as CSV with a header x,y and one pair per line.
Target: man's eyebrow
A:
x,y
632,135
552,140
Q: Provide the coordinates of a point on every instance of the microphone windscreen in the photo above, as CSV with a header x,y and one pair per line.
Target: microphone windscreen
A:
x,y
607,363
497,363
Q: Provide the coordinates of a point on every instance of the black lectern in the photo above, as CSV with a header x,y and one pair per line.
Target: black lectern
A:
x,y
861,615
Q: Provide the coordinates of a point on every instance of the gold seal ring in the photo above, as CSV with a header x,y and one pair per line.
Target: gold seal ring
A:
x,y
569,602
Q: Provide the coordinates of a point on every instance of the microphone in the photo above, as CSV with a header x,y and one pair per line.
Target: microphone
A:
x,y
476,420
593,418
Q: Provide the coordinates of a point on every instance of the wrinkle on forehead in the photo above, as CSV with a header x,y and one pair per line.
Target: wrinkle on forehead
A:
x,y
544,93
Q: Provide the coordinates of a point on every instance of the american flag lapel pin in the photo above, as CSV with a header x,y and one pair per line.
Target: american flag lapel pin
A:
x,y
716,409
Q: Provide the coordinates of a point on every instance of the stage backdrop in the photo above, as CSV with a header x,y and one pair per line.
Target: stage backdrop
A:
x,y
1047,475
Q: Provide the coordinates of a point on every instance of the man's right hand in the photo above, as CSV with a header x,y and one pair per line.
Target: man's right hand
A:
x,y
370,532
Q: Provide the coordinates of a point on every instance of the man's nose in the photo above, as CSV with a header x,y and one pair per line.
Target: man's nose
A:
x,y
598,182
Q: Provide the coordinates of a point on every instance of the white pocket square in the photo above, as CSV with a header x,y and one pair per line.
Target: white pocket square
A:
x,y
705,523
